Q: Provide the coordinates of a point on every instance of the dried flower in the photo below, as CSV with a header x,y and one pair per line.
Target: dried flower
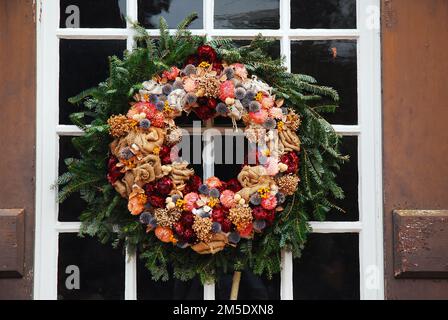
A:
x,y
120,125
288,184
203,228
293,121
240,216
166,217
208,85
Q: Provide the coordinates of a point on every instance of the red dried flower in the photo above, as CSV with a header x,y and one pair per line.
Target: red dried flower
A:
x,y
206,108
260,213
156,201
226,225
193,184
165,155
233,185
164,185
291,160
207,53
113,173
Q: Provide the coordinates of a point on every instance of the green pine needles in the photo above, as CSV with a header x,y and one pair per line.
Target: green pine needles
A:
x,y
107,216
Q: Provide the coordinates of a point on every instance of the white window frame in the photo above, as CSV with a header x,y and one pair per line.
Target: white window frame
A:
x,y
368,130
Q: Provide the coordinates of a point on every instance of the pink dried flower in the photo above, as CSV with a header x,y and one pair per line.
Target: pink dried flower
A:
x,y
269,203
227,199
240,70
226,90
190,201
258,117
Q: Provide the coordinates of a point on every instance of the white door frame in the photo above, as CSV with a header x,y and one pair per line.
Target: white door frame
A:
x,y
368,130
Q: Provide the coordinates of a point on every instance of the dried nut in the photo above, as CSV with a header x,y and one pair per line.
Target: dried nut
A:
x,y
171,205
207,209
282,167
200,203
230,101
237,197
168,200
242,201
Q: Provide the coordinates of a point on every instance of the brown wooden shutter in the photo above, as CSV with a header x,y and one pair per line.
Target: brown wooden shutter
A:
x,y
17,147
415,144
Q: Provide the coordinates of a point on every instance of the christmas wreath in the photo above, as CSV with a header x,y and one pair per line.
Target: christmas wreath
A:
x,y
140,193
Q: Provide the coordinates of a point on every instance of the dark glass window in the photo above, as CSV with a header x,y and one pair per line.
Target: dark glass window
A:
x,y
101,269
83,64
71,208
230,154
174,11
347,178
252,287
173,289
328,268
333,63
248,14
93,14
323,14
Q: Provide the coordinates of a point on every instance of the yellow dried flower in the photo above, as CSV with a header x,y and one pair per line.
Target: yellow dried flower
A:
x,y
156,151
212,202
203,228
180,203
264,192
280,125
287,184
259,96
204,64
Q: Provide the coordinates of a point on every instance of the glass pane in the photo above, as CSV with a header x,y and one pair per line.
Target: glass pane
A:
x,y
252,287
333,63
83,64
101,269
348,180
328,268
148,289
190,149
323,14
174,11
230,153
93,14
71,208
248,14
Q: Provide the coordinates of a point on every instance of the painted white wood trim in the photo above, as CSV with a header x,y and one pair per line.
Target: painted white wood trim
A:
x,y
370,154
130,287
336,227
46,239
345,130
295,34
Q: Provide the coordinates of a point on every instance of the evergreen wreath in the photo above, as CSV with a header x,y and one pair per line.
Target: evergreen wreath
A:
x,y
139,195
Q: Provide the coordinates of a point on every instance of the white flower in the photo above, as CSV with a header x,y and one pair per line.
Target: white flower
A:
x,y
175,98
152,87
